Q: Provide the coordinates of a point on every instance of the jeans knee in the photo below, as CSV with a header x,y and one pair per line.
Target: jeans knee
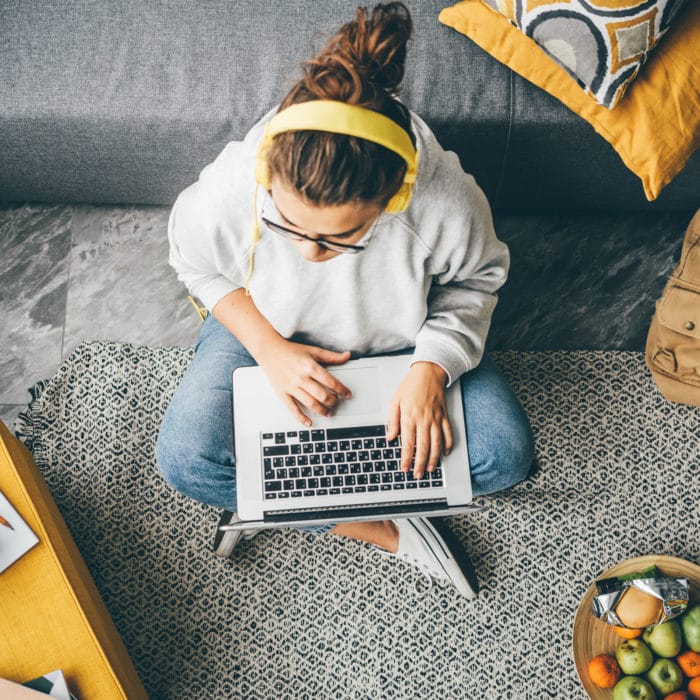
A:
x,y
505,460
175,458
191,465
520,452
167,461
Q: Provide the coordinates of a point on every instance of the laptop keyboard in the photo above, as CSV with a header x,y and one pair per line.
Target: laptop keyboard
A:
x,y
330,461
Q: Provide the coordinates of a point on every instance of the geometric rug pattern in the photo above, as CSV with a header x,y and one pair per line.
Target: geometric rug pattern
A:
x,y
297,615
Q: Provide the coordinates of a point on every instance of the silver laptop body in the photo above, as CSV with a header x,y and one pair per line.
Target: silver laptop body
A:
x,y
341,468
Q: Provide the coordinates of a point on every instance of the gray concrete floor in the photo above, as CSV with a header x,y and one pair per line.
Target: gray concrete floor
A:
x,y
75,273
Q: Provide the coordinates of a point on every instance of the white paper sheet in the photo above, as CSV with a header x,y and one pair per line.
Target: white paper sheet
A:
x,y
16,538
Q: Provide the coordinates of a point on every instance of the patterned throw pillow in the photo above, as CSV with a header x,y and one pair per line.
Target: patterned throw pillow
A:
x,y
655,129
602,44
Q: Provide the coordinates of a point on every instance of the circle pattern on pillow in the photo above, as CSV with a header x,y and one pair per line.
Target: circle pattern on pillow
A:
x,y
602,44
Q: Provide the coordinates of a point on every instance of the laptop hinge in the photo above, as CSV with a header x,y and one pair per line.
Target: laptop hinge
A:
x,y
354,511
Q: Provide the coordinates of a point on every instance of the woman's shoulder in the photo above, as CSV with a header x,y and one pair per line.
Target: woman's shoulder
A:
x,y
443,191
230,177
440,173
218,208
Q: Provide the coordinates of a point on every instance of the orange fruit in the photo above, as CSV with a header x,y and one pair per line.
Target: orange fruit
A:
x,y
678,695
626,632
604,671
694,688
689,661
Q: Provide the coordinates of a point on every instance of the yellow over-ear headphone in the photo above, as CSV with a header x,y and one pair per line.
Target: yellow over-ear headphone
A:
x,y
338,118
343,118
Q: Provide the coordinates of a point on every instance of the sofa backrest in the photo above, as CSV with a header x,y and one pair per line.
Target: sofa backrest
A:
x,y
126,102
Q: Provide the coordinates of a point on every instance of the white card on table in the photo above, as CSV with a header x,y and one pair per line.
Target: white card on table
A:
x,y
16,537
53,684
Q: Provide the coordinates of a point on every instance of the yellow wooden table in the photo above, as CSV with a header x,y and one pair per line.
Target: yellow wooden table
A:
x,y
51,614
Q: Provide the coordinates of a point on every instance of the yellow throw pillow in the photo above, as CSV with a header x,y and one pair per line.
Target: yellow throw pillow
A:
x,y
655,128
602,44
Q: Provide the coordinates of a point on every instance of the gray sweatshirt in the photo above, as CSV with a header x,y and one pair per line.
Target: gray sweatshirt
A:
x,y
428,277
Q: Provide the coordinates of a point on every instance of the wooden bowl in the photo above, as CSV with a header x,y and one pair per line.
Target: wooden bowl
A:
x,y
592,636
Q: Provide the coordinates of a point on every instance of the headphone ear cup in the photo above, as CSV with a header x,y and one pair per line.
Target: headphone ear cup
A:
x,y
262,172
400,201
393,205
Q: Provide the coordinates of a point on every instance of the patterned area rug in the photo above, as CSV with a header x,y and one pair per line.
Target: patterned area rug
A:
x,y
293,615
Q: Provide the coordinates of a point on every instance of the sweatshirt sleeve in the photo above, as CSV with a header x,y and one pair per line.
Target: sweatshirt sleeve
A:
x,y
469,265
209,232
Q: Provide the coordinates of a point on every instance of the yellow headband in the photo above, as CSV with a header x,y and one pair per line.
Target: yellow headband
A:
x,y
342,118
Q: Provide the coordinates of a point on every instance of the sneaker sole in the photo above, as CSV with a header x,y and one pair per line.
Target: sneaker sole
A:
x,y
456,563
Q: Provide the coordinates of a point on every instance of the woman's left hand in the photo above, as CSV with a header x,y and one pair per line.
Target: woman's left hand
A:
x,y
418,413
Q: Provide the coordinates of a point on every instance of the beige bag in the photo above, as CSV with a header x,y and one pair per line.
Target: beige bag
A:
x,y
673,342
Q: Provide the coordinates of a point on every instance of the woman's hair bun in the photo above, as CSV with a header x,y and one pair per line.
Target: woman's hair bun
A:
x,y
363,65
366,56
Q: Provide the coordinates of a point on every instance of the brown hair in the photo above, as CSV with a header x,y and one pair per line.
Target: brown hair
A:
x,y
363,64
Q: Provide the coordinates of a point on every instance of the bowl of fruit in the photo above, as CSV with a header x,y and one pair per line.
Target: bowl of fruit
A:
x,y
640,661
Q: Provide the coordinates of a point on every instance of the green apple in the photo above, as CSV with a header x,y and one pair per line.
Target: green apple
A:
x,y
665,675
633,688
691,627
634,656
664,639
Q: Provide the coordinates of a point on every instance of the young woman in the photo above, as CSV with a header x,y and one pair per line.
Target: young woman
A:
x,y
336,269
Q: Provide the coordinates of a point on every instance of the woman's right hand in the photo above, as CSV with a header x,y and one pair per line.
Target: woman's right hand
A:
x,y
297,374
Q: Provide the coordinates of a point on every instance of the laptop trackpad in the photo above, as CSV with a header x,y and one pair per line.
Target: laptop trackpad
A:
x,y
364,384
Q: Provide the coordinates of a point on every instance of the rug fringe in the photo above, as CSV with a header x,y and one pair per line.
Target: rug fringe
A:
x,y
27,423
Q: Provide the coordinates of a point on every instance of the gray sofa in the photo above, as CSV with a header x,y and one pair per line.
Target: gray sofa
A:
x,y
126,102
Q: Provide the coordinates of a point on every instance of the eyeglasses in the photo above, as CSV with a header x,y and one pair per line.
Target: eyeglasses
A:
x,y
322,243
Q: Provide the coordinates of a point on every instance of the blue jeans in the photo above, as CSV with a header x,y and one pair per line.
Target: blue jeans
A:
x,y
195,445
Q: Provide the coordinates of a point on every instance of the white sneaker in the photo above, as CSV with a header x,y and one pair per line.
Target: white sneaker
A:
x,y
225,541
432,547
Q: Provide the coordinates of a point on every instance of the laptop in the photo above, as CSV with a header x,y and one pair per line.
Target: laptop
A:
x,y
342,468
